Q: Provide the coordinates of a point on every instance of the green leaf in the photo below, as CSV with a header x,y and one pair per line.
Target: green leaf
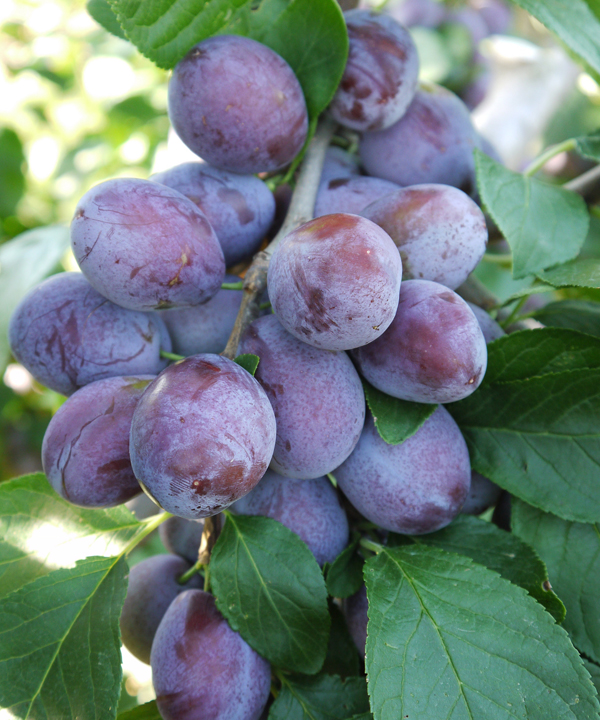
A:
x,y
24,262
148,711
571,552
573,22
451,639
544,225
532,427
310,34
500,551
581,273
342,655
594,671
270,588
396,420
59,643
248,361
324,697
345,574
572,314
12,179
589,146
40,532
103,14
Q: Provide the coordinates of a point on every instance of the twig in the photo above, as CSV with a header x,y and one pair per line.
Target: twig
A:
x,y
300,211
586,185
210,535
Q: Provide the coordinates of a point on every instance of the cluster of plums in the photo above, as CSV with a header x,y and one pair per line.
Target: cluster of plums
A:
x,y
365,289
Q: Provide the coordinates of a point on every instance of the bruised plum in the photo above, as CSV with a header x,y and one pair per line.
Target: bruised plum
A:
x,y
145,246
202,669
416,487
310,508
350,194
202,436
151,589
238,105
334,282
240,208
317,397
433,352
182,537
440,232
380,78
67,336
85,452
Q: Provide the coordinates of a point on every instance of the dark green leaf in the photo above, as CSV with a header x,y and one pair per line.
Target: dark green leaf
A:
x,y
500,551
148,711
572,314
594,671
345,574
532,427
102,13
325,697
589,146
12,179
544,224
396,420
310,34
342,655
451,639
40,532
573,22
581,273
362,716
59,643
25,261
269,586
571,552
248,361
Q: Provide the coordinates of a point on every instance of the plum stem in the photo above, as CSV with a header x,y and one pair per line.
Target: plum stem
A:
x,y
171,356
301,210
190,573
332,479
370,545
149,526
232,286
547,155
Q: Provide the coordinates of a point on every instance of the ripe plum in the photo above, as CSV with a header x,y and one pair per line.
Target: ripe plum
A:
x,y
482,495
334,282
350,194
489,327
422,13
339,163
355,610
416,487
182,537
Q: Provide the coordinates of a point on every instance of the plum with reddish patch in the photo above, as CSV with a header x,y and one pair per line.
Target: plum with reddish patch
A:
x,y
67,335
85,452
350,194
440,232
432,143
152,587
238,105
202,436
433,352
182,537
380,78
413,488
202,669
145,246
334,282
240,208
317,397
310,508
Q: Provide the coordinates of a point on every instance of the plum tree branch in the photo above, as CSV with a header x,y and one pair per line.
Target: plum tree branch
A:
x,y
300,211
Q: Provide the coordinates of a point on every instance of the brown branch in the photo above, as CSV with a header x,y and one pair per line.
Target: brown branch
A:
x,y
300,211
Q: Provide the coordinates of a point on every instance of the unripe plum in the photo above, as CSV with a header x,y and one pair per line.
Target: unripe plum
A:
x,y
440,232
413,488
238,104
182,537
433,352
432,143
202,669
482,495
145,246
152,588
380,78
202,436
489,327
310,508
85,452
334,282
67,335
350,194
317,397
240,208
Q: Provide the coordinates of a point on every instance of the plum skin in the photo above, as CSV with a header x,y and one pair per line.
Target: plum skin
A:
x,y
182,537
202,436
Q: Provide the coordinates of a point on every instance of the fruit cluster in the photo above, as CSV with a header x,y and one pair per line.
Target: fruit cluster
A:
x,y
366,289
